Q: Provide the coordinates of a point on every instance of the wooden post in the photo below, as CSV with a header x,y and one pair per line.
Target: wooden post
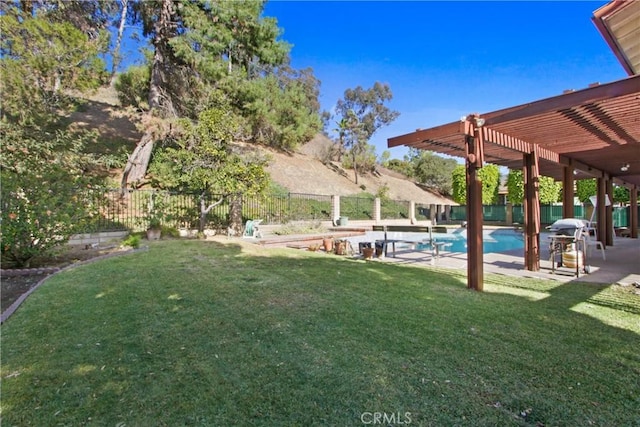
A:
x,y
633,212
531,211
474,161
567,193
601,211
609,213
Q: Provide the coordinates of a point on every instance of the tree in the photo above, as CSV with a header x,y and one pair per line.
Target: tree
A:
x,y
132,87
366,160
459,185
515,187
490,177
200,158
549,190
342,130
116,57
360,114
282,108
45,172
199,47
586,188
620,194
40,60
45,189
402,166
432,170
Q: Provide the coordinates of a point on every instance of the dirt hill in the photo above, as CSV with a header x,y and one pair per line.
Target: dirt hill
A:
x,y
300,172
304,172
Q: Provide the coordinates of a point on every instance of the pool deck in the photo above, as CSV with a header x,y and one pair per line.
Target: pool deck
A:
x,y
622,265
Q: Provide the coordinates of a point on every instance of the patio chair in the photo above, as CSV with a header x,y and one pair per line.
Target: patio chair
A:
x,y
592,223
251,229
592,242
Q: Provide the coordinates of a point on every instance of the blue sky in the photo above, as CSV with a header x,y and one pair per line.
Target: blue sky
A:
x,y
444,60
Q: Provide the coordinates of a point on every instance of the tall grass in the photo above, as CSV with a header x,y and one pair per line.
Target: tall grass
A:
x,y
225,333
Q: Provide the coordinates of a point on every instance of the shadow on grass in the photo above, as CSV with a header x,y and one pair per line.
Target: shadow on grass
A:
x,y
222,333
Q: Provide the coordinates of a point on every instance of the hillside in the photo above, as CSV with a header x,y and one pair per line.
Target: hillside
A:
x,y
304,172
299,172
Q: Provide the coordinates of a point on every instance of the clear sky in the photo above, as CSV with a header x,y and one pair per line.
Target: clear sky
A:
x,y
444,60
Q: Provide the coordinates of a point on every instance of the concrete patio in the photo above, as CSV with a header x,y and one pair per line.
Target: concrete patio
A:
x,y
621,266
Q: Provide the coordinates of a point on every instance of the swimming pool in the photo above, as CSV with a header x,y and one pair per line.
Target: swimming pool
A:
x,y
497,240
494,240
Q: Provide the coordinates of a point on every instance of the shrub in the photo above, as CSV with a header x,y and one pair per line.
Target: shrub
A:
x,y
44,191
133,87
133,241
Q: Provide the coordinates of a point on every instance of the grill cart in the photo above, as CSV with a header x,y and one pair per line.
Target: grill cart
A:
x,y
567,246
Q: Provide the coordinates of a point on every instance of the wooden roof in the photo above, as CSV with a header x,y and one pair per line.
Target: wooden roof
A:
x,y
595,130
619,23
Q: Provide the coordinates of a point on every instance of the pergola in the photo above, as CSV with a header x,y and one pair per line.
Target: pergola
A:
x,y
594,132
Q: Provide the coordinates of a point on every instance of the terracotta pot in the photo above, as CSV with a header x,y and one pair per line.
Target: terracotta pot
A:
x,y
154,234
328,244
340,247
367,253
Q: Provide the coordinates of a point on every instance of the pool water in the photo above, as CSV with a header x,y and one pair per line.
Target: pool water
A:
x,y
496,240
492,241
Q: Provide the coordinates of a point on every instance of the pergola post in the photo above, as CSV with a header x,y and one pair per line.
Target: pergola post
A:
x,y
609,213
531,210
633,211
601,212
475,256
567,193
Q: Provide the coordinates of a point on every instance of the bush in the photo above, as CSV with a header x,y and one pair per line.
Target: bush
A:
x,y
36,218
44,191
133,87
133,241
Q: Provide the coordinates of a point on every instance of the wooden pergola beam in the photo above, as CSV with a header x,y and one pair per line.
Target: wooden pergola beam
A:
x,y
564,101
518,145
433,134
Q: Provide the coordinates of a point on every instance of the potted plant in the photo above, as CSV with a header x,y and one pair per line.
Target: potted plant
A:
x,y
154,216
327,243
367,252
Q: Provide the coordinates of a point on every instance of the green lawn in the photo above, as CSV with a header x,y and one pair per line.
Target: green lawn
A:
x,y
221,333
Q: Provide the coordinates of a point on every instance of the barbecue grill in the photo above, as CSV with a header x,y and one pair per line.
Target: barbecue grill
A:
x,y
569,244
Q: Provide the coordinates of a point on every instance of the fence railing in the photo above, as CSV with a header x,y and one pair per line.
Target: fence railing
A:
x,y
117,211
548,214
128,211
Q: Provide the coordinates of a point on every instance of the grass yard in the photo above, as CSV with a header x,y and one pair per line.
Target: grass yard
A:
x,y
227,333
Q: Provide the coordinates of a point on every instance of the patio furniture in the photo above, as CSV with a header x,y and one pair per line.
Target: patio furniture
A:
x,y
569,244
251,229
593,243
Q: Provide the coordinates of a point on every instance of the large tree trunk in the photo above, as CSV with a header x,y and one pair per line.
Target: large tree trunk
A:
x,y
204,211
235,214
355,168
116,49
136,167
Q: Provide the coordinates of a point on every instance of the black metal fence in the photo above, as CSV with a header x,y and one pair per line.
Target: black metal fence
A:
x,y
129,211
